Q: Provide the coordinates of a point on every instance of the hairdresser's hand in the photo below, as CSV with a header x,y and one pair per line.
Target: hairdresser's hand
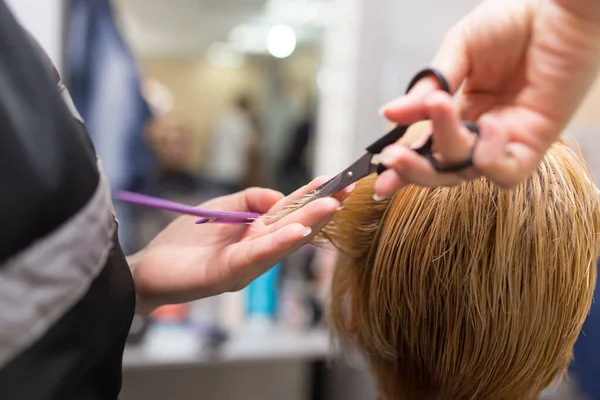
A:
x,y
188,261
526,66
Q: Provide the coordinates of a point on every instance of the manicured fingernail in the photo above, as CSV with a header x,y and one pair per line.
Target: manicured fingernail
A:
x,y
377,197
382,159
307,231
386,160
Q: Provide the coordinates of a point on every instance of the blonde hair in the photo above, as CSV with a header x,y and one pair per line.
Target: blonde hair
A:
x,y
468,292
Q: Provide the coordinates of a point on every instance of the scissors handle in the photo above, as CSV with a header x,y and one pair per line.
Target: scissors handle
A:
x,y
425,150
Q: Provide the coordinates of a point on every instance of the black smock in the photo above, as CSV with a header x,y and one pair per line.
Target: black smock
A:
x,y
66,292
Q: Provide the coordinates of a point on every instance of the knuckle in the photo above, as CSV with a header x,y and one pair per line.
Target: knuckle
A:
x,y
403,161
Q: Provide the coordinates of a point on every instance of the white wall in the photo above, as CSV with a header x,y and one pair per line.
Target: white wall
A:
x,y
43,18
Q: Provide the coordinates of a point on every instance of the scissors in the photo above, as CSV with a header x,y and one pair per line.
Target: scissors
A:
x,y
367,164
207,216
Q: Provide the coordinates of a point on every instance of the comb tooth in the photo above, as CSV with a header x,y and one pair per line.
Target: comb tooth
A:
x,y
205,220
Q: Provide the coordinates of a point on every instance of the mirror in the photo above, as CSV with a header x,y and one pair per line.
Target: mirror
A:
x,y
232,86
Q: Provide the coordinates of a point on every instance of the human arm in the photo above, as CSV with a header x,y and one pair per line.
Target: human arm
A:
x,y
525,66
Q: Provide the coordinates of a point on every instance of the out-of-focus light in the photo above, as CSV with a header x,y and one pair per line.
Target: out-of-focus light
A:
x,y
224,55
249,38
281,41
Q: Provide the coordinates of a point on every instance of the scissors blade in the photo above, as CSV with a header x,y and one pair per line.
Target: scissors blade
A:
x,y
361,168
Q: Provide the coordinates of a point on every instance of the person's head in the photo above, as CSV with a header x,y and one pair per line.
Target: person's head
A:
x,y
170,140
468,292
244,103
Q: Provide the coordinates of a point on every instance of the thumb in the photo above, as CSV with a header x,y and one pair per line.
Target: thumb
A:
x,y
252,199
452,61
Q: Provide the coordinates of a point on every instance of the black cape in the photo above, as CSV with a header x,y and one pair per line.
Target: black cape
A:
x,y
66,292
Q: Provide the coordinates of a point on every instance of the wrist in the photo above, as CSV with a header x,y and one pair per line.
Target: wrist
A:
x,y
140,306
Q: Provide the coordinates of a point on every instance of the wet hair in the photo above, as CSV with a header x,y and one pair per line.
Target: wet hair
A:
x,y
468,292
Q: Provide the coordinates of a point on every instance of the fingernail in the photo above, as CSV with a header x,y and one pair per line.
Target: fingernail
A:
x,y
307,231
382,110
340,208
386,160
378,198
382,159
351,187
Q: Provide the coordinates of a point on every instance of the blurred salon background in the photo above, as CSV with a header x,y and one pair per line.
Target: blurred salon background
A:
x,y
192,99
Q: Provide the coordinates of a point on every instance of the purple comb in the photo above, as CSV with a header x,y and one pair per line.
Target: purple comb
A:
x,y
222,217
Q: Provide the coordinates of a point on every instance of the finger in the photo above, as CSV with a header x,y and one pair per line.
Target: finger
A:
x,y
407,109
452,61
451,138
311,214
298,194
260,200
413,168
452,58
412,107
254,199
274,244
387,183
504,162
249,259
343,194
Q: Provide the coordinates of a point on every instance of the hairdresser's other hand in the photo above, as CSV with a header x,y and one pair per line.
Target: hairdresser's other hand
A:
x,y
526,65
188,261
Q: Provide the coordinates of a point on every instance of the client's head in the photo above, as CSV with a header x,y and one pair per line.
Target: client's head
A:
x,y
468,292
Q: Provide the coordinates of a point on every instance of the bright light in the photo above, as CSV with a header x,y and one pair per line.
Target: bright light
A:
x,y
281,41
